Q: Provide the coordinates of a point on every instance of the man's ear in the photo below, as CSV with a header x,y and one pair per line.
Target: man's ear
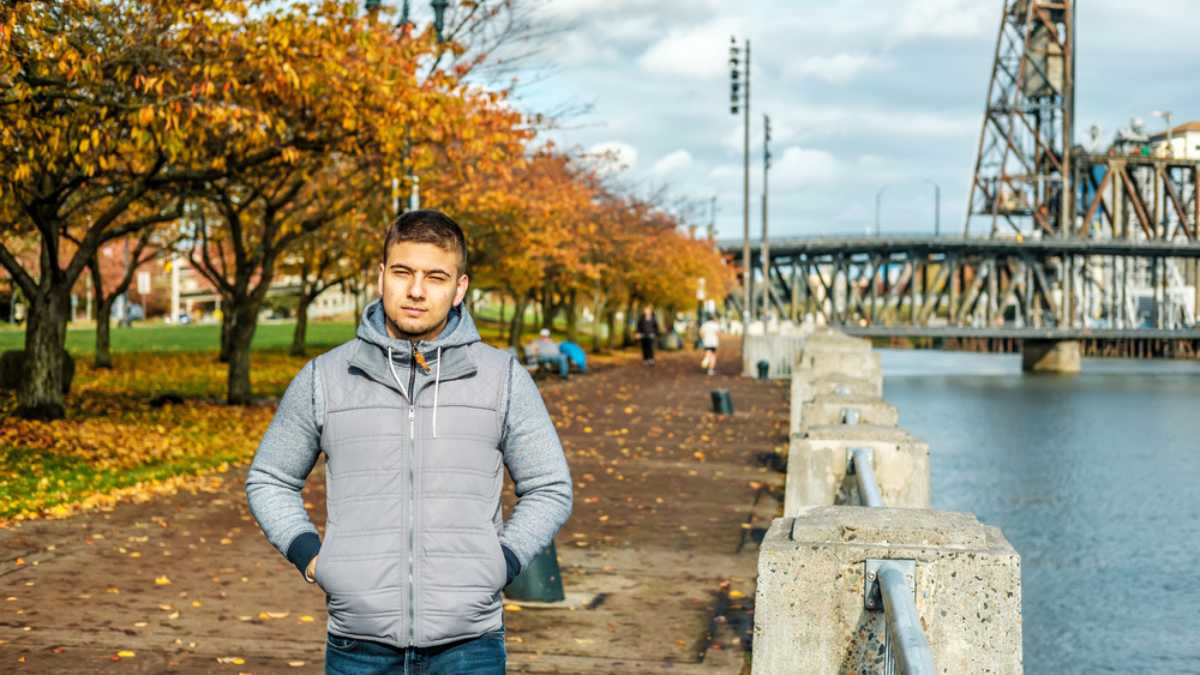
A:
x,y
461,291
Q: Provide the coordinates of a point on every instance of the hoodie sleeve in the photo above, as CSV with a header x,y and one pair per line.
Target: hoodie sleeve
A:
x,y
281,465
535,460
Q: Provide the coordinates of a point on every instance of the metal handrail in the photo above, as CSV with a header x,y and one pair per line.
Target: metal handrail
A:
x,y
862,462
907,649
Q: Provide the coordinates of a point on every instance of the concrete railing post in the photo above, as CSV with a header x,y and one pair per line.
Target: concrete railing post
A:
x,y
810,610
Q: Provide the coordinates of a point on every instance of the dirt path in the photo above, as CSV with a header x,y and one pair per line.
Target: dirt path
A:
x,y
670,501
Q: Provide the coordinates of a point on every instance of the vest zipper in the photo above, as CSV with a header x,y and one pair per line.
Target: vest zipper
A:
x,y
412,500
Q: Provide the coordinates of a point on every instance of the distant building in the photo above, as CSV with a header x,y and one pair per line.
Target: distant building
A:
x,y
1184,142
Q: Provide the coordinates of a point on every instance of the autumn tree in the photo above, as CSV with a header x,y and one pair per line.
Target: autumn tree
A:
x,y
102,104
328,259
112,280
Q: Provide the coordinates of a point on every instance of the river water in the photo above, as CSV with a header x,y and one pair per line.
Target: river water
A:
x,y
1094,479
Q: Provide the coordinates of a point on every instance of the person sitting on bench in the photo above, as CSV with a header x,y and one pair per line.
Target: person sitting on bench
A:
x,y
574,354
549,354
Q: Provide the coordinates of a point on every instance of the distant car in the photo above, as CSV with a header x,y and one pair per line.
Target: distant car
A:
x,y
136,312
183,319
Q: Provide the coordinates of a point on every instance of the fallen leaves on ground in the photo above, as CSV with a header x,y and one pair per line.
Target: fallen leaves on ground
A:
x,y
114,446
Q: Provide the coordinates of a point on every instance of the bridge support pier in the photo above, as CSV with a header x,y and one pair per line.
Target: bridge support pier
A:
x,y
1051,356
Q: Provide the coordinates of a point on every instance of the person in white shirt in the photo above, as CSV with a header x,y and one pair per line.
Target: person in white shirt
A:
x,y
710,339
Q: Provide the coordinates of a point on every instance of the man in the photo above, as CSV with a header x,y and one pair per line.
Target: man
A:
x,y
549,354
647,333
416,417
710,340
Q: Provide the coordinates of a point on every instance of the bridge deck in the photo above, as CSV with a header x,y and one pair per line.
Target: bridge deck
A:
x,y
1019,333
849,245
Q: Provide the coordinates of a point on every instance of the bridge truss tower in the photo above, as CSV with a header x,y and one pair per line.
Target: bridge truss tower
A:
x,y
1023,163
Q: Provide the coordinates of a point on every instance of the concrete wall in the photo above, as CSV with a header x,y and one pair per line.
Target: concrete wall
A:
x,y
818,460
805,388
827,410
809,611
781,351
809,614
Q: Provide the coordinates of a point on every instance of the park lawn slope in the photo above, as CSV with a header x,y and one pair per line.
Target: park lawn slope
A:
x,y
114,444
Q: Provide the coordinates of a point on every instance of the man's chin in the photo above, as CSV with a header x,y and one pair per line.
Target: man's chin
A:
x,y
410,329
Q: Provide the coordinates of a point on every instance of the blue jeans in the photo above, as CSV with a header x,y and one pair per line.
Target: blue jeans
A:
x,y
559,361
483,655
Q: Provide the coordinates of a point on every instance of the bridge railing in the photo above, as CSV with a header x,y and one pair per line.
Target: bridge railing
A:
x,y
879,589
890,587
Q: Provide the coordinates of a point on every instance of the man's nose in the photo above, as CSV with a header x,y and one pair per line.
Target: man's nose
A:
x,y
417,288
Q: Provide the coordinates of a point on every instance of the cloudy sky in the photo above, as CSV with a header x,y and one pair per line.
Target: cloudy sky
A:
x,y
862,94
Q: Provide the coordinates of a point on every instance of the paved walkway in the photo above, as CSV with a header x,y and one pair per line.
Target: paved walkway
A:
x,y
670,501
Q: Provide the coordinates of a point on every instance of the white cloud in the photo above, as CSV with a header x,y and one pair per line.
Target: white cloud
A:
x,y
623,155
674,161
958,19
698,52
837,68
798,167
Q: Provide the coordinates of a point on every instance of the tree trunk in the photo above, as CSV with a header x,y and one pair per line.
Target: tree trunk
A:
x,y
548,308
503,309
41,394
626,340
103,357
241,334
226,331
572,318
300,334
597,339
611,318
517,326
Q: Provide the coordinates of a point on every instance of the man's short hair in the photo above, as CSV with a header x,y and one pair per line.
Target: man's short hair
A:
x,y
427,226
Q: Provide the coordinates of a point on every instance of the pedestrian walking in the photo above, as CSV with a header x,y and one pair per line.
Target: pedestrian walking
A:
x,y
710,339
647,333
417,419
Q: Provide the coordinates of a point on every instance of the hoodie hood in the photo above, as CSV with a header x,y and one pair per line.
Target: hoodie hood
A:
x,y
385,358
459,331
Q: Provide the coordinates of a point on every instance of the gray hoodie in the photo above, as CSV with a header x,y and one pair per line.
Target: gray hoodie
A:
x,y
415,551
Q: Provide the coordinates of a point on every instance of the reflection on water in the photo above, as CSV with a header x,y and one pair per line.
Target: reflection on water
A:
x,y
1092,478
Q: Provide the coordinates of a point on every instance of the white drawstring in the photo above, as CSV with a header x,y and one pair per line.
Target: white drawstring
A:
x,y
396,377
437,380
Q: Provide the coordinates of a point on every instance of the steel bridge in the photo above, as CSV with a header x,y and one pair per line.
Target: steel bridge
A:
x,y
1127,296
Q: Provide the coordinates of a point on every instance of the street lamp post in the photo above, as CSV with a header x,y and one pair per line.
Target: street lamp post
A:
x,y
439,23
766,242
740,101
937,206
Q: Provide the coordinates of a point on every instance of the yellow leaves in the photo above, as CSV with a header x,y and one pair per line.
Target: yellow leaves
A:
x,y
126,654
234,660
267,616
306,618
162,581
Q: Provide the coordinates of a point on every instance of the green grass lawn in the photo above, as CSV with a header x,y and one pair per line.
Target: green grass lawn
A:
x,y
158,337
191,338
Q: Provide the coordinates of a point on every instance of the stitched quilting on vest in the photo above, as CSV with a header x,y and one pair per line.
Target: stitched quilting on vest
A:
x,y
411,552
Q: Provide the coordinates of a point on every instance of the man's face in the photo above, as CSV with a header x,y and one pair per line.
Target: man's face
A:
x,y
419,283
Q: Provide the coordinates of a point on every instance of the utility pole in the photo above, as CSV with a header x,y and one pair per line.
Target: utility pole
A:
x,y
766,250
740,101
712,220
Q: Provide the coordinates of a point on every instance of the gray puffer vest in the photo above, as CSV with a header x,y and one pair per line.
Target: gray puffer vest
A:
x,y
411,554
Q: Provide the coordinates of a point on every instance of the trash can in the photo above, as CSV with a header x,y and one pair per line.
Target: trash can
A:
x,y
540,581
764,369
722,402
